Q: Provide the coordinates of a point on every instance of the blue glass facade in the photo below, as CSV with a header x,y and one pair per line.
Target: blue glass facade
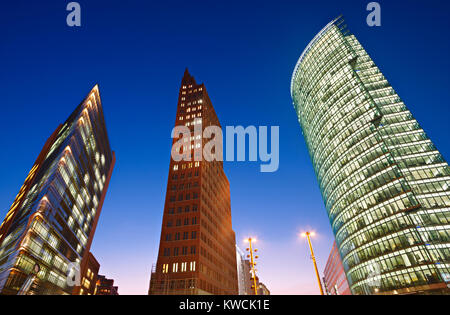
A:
x,y
384,183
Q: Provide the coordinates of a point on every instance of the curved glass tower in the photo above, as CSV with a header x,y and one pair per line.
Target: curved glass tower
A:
x,y
384,183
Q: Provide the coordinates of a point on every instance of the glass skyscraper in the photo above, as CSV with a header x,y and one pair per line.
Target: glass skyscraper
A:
x,y
50,226
384,183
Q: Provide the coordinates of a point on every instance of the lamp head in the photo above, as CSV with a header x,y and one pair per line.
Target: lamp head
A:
x,y
306,234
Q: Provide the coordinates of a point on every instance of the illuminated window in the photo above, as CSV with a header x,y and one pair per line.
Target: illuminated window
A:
x,y
86,283
86,178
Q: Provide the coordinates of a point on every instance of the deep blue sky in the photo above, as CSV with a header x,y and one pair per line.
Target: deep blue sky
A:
x,y
245,52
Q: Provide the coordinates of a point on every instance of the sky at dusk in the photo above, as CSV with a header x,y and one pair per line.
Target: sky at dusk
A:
x,y
245,52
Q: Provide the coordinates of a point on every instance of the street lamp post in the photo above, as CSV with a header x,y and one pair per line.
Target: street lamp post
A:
x,y
252,261
313,257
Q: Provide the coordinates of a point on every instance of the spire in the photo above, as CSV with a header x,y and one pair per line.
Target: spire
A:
x,y
187,78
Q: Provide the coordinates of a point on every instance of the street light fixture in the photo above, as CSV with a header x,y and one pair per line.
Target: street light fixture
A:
x,y
313,257
251,240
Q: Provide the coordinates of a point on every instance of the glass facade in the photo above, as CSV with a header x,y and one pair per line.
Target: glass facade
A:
x,y
384,183
53,218
335,280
